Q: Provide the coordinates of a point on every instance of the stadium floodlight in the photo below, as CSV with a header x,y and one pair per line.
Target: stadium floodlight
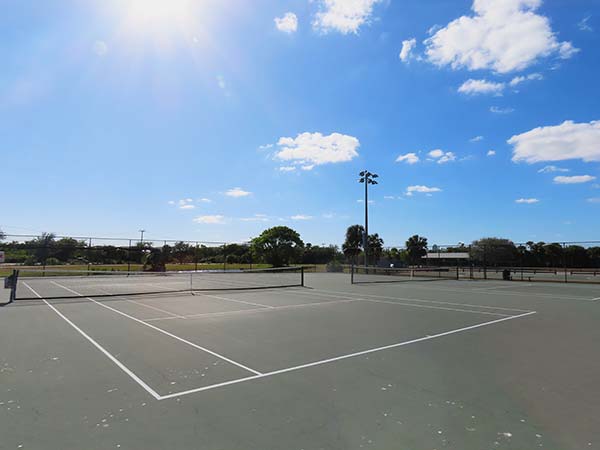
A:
x,y
367,178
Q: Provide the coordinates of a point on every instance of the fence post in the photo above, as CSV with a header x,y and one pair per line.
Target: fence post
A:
x,y
484,262
302,276
196,258
565,260
129,257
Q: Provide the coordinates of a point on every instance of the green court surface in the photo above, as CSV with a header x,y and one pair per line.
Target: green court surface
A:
x,y
460,365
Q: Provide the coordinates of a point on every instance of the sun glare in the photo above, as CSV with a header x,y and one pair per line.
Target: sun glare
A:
x,y
164,23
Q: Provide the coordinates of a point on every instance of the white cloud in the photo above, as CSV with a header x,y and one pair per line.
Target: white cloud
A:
x,y
301,217
520,79
442,157
184,203
501,35
287,169
344,16
360,200
100,48
594,200
409,158
210,220
237,192
584,25
550,169
265,147
288,23
491,153
313,149
568,140
204,200
527,201
407,47
389,197
221,82
474,87
410,190
498,110
575,179
476,139
256,218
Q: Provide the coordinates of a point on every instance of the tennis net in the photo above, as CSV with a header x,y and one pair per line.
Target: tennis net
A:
x,y
394,275
48,284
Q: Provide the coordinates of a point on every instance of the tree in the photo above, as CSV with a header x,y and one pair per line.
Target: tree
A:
x,y
278,246
42,246
353,244
495,251
2,235
375,248
416,246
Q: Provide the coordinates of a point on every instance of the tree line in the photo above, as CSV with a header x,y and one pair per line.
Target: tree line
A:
x,y
281,246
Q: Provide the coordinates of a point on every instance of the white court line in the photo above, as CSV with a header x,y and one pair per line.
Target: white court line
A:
x,y
143,304
518,294
501,287
241,311
232,300
596,299
342,357
411,300
118,363
160,330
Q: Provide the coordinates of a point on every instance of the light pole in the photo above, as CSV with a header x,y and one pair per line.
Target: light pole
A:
x,y
367,178
142,231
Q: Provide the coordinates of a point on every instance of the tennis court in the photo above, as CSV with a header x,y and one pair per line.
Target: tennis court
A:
x,y
308,361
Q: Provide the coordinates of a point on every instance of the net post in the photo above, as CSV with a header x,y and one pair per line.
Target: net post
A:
x,y
13,287
302,276
457,273
352,273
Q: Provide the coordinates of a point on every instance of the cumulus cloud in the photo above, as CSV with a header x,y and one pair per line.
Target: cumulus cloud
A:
x,y
491,153
527,201
204,200
410,190
550,169
210,220
237,192
568,140
503,36
313,149
575,179
288,23
498,110
476,139
407,47
520,79
343,16
409,158
474,87
287,169
441,157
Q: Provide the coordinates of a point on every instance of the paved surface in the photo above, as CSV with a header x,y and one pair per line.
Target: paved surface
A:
x,y
423,365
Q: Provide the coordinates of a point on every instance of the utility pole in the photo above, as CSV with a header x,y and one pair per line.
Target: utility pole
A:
x,y
142,231
367,178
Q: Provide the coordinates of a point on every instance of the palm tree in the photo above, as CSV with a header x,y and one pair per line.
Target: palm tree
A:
x,y
416,246
353,244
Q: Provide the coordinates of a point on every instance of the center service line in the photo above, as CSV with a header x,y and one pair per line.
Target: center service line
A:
x,y
339,358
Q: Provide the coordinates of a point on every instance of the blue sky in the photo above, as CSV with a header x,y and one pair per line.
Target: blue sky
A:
x,y
207,120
